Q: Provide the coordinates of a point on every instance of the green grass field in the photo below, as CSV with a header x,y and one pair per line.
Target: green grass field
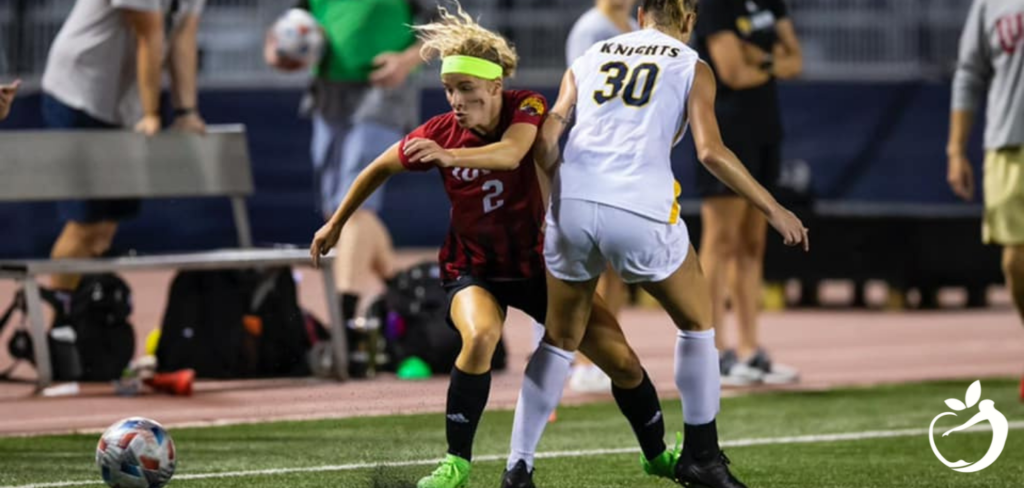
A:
x,y
384,452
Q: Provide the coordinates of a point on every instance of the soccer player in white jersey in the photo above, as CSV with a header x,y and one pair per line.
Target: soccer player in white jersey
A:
x,y
614,201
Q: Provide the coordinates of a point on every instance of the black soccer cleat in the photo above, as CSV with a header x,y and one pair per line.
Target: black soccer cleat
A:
x,y
713,473
518,477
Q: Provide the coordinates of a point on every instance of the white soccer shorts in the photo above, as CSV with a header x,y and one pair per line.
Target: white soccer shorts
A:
x,y
582,236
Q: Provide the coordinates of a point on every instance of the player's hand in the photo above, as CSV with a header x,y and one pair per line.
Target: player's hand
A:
x,y
391,70
148,125
792,229
277,62
427,151
7,94
323,241
190,123
961,177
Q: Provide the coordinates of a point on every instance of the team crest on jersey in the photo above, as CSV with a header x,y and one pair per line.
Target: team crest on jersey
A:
x,y
532,106
744,25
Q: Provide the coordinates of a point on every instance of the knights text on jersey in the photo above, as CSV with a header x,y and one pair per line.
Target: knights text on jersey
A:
x,y
496,216
631,93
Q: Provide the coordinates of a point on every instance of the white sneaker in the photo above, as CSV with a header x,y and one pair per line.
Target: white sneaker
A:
x,y
773,373
589,379
742,374
736,373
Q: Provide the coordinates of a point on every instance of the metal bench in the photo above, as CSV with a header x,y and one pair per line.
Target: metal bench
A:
x,y
61,165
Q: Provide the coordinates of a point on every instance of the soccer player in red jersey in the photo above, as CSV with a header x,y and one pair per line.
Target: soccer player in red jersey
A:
x,y
492,257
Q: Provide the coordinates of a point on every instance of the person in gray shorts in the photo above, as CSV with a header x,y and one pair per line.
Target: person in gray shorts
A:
x,y
363,101
103,71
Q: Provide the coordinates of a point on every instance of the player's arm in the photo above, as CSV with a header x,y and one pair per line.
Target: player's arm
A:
x,y
973,72
546,151
722,163
184,67
503,155
788,60
391,69
369,180
270,47
149,34
733,61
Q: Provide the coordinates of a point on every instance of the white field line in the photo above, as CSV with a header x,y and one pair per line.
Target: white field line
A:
x,y
765,441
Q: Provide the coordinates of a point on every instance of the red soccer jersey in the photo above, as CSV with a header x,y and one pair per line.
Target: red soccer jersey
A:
x,y
496,216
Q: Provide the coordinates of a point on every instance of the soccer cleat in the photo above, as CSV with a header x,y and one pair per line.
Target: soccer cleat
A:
x,y
713,473
665,464
453,472
519,477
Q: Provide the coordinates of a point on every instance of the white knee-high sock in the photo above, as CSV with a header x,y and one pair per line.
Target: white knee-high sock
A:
x,y
538,334
697,376
541,391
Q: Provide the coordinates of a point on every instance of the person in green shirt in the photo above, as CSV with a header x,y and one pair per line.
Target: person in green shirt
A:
x,y
362,102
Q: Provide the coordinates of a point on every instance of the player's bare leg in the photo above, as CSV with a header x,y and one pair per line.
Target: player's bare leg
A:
x,y
749,278
686,297
721,220
479,319
580,320
363,250
1013,270
80,240
588,377
569,310
747,288
720,236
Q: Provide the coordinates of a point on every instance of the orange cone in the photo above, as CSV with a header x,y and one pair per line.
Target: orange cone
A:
x,y
174,383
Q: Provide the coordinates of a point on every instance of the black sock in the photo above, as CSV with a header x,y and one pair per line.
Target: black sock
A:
x,y
348,306
641,407
701,441
467,397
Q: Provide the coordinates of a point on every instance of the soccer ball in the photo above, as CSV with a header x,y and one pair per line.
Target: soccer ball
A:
x,y
136,453
298,37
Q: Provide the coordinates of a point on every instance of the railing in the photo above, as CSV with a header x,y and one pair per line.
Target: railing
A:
x,y
843,39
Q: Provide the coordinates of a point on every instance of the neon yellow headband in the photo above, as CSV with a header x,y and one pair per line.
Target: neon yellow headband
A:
x,y
473,66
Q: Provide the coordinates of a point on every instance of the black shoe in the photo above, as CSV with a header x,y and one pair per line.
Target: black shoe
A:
x,y
519,477
713,473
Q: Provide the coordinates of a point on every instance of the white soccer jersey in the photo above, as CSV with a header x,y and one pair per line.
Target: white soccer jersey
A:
x,y
630,110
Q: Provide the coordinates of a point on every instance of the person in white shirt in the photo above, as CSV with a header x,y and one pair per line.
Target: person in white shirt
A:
x,y
613,201
607,19
103,72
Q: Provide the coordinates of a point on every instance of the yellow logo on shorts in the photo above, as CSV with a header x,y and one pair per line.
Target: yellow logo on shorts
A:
x,y
532,106
677,190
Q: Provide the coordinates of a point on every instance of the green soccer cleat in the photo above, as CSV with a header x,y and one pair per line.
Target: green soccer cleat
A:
x,y
665,464
453,472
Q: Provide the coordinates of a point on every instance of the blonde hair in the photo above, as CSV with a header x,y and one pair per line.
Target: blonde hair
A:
x,y
459,35
670,13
